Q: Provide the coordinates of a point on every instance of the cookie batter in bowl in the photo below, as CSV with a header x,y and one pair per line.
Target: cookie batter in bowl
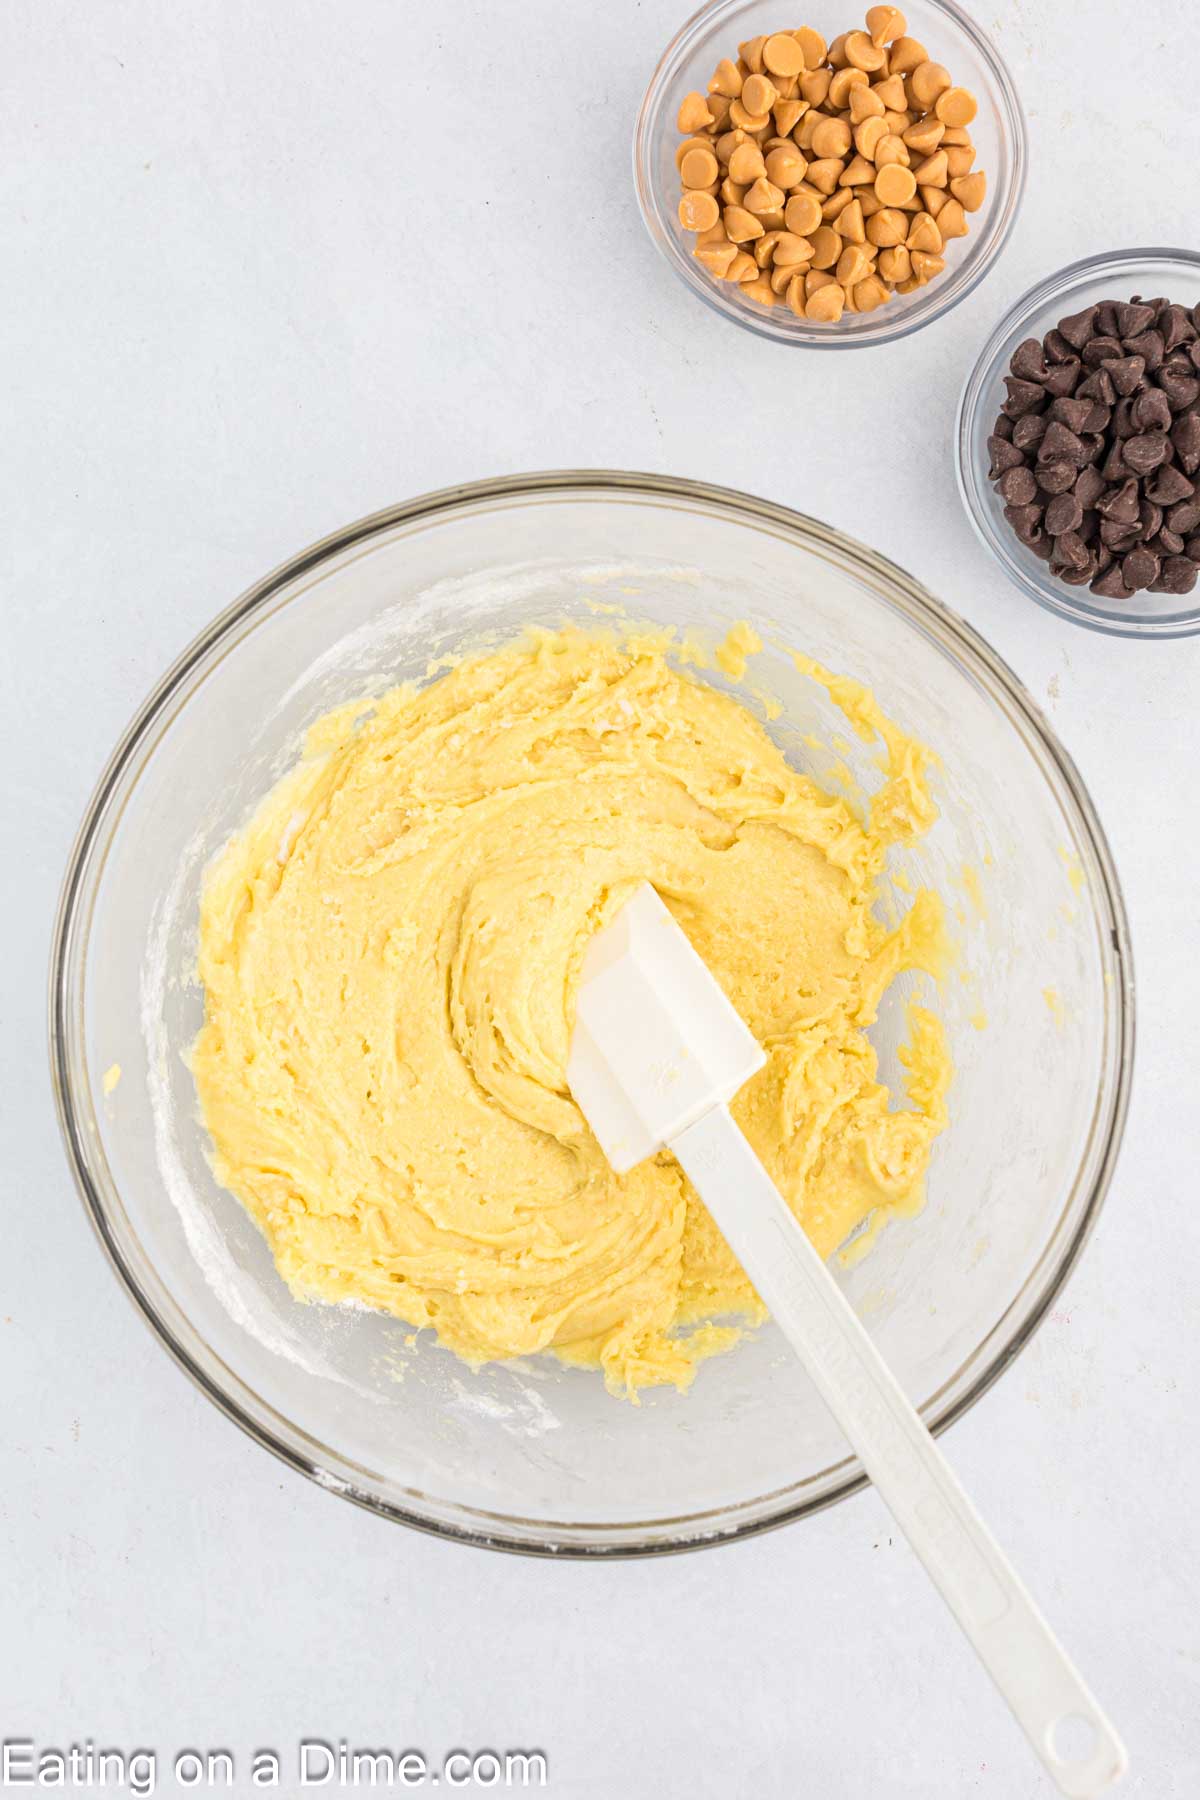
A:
x,y
389,953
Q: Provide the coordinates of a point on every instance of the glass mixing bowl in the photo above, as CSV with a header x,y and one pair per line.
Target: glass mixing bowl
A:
x,y
1114,275
532,1456
951,37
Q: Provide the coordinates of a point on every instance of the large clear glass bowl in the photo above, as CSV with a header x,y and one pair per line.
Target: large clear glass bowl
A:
x,y
951,37
534,1456
1114,275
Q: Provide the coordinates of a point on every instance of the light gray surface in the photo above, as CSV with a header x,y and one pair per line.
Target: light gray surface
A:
x,y
268,268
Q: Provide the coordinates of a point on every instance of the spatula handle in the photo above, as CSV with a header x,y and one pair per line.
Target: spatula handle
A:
x,y
1010,1636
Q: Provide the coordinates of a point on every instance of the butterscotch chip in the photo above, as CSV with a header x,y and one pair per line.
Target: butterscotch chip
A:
x,y
826,247
699,169
788,114
864,104
782,55
742,268
754,123
813,46
831,137
867,136
718,106
895,264
956,106
796,295
726,79
751,53
791,248
926,266
885,23
759,94
850,224
933,199
823,174
763,197
886,227
764,248
691,143
924,137
741,226
869,294
905,55
927,81
716,257
781,278
970,190
759,290
867,200
728,142
815,280
863,53
698,211
693,114
836,205
959,158
897,122
814,86
732,192
860,172
951,220
933,171
802,214
891,93
853,266
842,85
891,149
924,234
827,304
714,235
746,163
836,53
785,166
895,184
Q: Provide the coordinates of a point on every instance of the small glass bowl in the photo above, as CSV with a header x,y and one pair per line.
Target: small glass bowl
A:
x,y
1116,275
998,131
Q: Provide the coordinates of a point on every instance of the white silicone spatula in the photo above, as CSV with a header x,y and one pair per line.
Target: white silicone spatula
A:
x,y
657,1053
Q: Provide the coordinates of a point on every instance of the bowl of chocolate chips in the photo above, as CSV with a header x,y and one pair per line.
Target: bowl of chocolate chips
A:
x,y
1079,443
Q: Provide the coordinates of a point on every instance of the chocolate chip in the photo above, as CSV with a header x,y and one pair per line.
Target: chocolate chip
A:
x,y
1181,390
1186,439
1070,552
1028,361
1057,477
1144,453
1167,485
1004,456
1176,327
1029,431
1104,558
1111,585
1088,486
1140,567
1089,526
1125,372
1023,396
1078,328
1184,516
1017,486
1122,419
1192,548
1062,378
1097,422
1072,413
1064,513
1101,349
1106,319
1148,345
1061,441
1132,317
1026,521
1081,576
1150,518
1003,426
1178,576
1113,467
1120,504
1119,537
1150,410
1056,347
1098,386
1167,542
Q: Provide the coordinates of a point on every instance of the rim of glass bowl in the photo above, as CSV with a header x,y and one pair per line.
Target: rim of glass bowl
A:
x,y
101,1198
973,485
940,297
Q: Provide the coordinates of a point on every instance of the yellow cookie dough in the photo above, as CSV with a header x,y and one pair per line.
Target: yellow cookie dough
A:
x,y
390,952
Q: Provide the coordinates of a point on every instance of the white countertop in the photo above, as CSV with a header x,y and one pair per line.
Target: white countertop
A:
x,y
233,318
